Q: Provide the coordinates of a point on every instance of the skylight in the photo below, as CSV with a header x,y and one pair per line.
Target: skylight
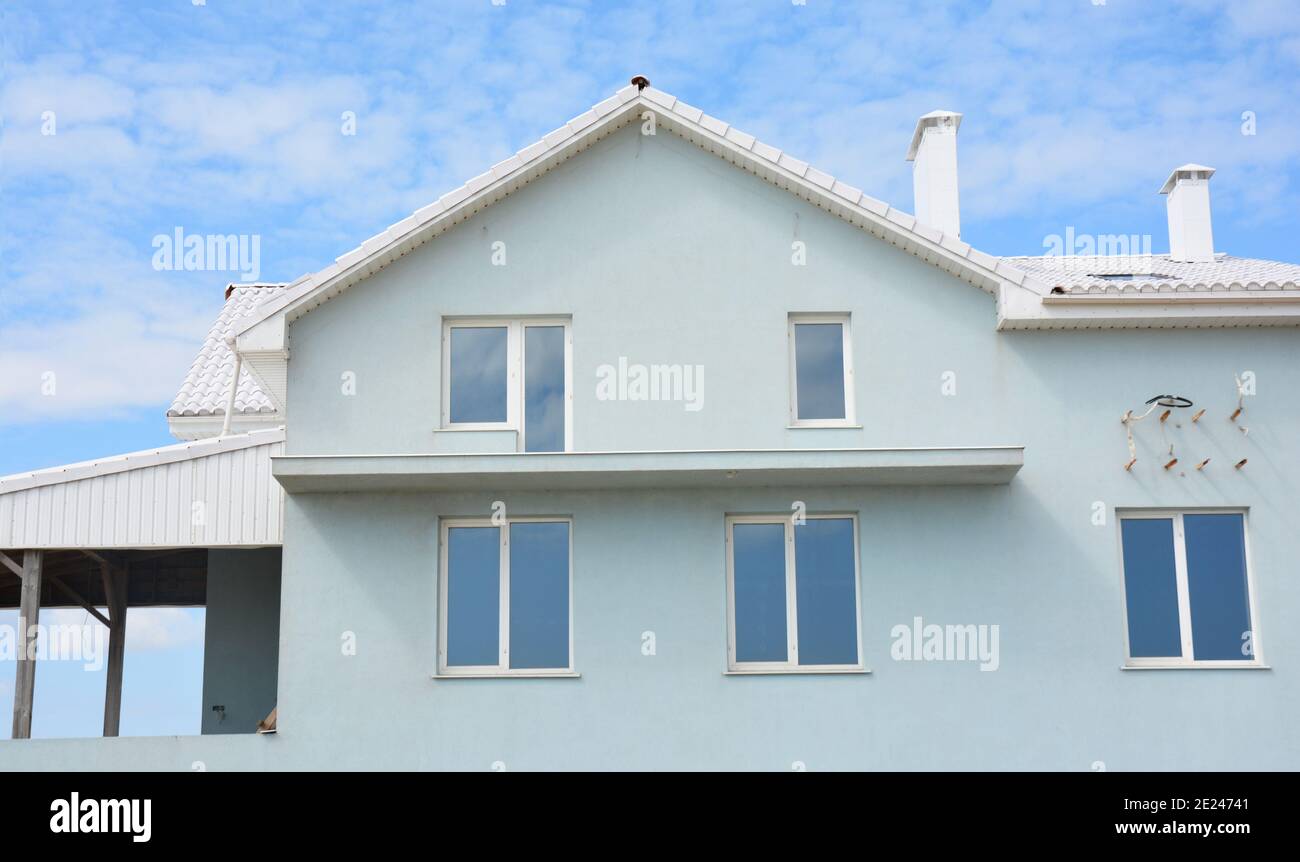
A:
x,y
1128,276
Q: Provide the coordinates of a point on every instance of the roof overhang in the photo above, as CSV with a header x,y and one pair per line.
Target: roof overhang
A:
x,y
203,427
715,469
1157,310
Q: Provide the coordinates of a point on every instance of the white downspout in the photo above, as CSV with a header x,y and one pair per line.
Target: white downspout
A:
x,y
234,387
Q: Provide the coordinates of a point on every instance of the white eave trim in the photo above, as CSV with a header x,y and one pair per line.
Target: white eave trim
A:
x,y
1171,299
208,425
1147,311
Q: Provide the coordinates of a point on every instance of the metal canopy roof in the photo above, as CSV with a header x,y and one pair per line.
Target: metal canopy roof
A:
x,y
213,493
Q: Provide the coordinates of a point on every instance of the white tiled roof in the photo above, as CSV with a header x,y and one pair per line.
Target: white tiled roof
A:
x,y
1156,273
207,386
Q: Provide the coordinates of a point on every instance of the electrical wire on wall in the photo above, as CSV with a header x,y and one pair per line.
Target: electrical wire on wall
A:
x,y
1169,402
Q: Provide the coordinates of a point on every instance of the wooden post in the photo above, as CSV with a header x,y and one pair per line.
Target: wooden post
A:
x,y
115,595
29,616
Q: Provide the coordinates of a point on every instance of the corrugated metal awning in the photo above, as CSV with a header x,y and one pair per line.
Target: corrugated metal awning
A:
x,y
212,493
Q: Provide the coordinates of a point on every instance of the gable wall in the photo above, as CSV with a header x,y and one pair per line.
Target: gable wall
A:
x,y
663,254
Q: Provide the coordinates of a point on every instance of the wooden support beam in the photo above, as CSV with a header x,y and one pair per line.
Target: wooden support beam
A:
x,y
106,575
94,556
117,559
78,598
115,591
137,556
29,616
10,564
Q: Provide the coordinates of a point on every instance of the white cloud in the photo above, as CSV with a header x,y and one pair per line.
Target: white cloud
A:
x,y
88,325
115,359
80,98
163,628
147,629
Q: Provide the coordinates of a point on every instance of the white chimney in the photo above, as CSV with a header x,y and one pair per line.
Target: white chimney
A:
x,y
1190,236
934,172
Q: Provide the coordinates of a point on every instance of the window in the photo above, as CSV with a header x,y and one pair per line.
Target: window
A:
x,y
821,371
504,597
792,594
509,375
1187,594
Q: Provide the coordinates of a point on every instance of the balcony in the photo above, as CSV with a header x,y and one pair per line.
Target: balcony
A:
x,y
559,471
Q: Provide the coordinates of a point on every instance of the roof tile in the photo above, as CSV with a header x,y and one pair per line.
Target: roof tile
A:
x,y
659,97
740,139
690,112
874,205
819,178
532,151
852,194
607,106
793,165
207,384
1119,274
582,121
713,124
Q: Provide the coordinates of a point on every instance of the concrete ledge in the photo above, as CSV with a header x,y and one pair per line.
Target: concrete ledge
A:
x,y
973,465
227,752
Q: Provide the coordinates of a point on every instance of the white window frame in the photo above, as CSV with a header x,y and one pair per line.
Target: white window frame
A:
x,y
791,664
1187,659
515,364
502,667
849,420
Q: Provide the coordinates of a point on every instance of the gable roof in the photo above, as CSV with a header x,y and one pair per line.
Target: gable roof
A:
x,y
206,387
1022,288
626,106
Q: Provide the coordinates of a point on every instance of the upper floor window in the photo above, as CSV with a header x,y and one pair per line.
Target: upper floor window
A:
x,y
509,375
821,371
504,597
792,594
1187,590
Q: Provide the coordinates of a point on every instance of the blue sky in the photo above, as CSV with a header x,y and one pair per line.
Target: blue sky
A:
x,y
226,118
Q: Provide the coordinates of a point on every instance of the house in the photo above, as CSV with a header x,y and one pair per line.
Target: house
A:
x,y
656,447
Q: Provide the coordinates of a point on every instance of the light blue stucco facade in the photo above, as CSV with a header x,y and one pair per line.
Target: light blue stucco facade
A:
x,y
662,253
